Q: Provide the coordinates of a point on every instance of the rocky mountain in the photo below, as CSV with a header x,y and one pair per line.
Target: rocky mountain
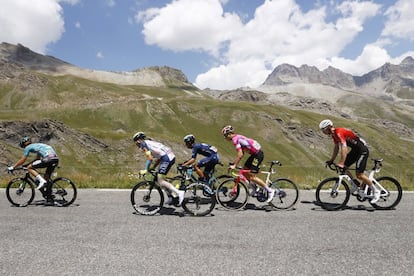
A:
x,y
393,82
20,55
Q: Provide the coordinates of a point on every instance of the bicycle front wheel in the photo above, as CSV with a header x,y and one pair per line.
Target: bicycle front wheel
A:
x,y
232,196
332,195
198,199
64,191
286,193
20,192
147,198
391,193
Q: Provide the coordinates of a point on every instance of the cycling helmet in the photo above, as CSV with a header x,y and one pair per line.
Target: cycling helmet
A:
x,y
189,139
325,123
24,141
227,129
138,135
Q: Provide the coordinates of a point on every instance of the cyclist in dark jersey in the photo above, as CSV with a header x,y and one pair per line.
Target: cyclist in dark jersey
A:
x,y
209,152
344,138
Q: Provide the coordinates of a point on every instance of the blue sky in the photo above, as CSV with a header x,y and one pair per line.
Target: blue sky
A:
x,y
219,44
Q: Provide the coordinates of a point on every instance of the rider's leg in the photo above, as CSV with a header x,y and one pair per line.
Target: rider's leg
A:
x,y
51,165
164,166
32,170
199,171
360,168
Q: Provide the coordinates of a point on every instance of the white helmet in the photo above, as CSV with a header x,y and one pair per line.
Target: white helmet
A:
x,y
325,123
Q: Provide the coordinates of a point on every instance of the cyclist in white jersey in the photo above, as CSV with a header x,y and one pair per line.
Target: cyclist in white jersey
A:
x,y
245,144
162,156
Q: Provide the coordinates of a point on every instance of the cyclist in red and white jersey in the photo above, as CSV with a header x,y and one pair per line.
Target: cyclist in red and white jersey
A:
x,y
344,138
164,158
244,144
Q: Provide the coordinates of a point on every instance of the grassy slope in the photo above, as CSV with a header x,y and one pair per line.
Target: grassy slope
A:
x,y
112,113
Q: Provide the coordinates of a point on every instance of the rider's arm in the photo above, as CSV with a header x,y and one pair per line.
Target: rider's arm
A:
x,y
344,153
238,158
20,162
189,162
334,152
149,157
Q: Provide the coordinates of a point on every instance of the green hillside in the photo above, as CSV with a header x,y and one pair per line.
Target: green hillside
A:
x,y
112,113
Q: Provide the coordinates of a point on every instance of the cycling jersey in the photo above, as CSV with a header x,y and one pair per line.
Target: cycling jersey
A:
x,y
347,137
359,151
245,144
211,156
203,149
157,149
42,151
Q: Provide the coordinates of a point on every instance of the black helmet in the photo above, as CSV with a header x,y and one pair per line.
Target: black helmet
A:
x,y
24,141
138,135
189,139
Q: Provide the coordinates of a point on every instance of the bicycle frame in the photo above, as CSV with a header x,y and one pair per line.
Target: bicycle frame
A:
x,y
241,177
192,177
343,176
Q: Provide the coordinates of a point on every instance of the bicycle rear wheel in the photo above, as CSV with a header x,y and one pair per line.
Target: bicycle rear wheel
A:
x,y
20,192
286,194
147,198
64,191
392,194
332,195
232,196
198,199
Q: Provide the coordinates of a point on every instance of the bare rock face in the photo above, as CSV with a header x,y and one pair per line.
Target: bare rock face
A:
x,y
387,82
47,131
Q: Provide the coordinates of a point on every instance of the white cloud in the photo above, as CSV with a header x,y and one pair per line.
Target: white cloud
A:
x,y
189,25
99,55
400,21
280,32
78,25
34,24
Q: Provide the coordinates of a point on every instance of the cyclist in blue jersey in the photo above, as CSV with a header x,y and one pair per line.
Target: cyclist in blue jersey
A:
x,y
209,162
162,156
46,157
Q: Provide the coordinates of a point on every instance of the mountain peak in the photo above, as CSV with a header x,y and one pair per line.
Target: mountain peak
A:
x,y
408,61
20,54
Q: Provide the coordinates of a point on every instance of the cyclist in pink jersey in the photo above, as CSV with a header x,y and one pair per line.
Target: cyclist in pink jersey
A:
x,y
244,144
344,138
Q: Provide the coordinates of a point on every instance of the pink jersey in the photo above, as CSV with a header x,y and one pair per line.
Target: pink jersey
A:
x,y
245,144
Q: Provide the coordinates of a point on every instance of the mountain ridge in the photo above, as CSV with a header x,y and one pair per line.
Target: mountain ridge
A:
x,y
158,76
395,82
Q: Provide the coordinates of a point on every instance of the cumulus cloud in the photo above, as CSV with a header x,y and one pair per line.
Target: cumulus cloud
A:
x,y
34,24
189,25
400,21
279,32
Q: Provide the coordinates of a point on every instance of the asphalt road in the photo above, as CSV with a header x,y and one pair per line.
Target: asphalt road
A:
x,y
101,235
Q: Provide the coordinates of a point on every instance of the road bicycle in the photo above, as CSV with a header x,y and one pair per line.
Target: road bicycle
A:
x,y
20,191
212,181
147,197
334,193
239,190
